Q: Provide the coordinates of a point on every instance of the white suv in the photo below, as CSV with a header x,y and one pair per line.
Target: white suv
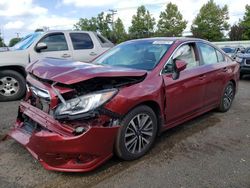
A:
x,y
72,45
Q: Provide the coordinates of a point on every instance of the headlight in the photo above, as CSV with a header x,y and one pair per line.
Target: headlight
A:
x,y
238,59
84,103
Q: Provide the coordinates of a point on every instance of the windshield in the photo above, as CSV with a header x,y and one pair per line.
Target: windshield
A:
x,y
229,50
138,54
26,41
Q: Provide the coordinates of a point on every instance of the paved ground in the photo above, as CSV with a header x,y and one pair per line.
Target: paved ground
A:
x,y
210,151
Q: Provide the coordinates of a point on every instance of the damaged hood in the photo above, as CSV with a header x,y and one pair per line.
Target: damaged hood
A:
x,y
70,72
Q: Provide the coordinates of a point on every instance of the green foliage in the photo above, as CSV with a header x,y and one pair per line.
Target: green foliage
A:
x,y
171,22
236,32
13,41
245,23
210,22
86,24
119,32
142,24
103,25
2,43
97,24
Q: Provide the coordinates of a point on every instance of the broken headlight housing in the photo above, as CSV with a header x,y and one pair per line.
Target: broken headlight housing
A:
x,y
85,103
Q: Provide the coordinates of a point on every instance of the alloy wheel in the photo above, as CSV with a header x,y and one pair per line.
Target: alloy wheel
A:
x,y
228,96
9,86
138,133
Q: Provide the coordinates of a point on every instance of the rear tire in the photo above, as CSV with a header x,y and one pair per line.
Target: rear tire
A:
x,y
12,85
227,97
137,133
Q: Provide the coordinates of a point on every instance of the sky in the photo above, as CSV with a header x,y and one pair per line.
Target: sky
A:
x,y
20,17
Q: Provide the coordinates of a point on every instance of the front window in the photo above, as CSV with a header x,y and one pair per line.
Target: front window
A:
x,y
142,54
26,41
55,42
187,54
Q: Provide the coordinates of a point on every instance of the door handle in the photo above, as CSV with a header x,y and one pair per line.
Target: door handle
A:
x,y
202,77
66,55
93,53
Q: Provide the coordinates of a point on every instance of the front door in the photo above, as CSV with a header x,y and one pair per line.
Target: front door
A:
x,y
184,96
57,47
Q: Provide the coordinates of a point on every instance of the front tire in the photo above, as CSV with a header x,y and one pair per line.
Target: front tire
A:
x,y
227,98
137,133
12,85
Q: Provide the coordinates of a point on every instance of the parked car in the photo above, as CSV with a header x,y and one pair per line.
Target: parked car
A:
x,y
233,51
71,45
244,60
75,115
3,49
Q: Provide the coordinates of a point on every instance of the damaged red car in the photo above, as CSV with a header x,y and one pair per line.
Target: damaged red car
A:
x,y
77,115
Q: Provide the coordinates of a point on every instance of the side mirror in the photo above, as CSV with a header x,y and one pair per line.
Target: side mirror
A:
x,y
179,65
41,46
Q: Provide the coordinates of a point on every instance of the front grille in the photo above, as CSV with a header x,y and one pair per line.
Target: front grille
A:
x,y
247,61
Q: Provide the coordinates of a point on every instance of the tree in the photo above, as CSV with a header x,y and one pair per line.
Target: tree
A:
x,y
86,24
245,23
119,32
13,41
2,42
236,32
142,24
103,23
97,24
171,22
210,22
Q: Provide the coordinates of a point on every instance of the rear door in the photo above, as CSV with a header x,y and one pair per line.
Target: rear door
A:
x,y
57,47
84,48
216,68
184,96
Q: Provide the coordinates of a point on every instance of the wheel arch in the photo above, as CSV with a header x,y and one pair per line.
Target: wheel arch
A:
x,y
234,82
16,68
157,110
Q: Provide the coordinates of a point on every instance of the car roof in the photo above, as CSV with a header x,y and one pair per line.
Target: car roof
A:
x,y
69,31
174,39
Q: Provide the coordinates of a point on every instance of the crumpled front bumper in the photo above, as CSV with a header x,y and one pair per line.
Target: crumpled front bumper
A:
x,y
58,149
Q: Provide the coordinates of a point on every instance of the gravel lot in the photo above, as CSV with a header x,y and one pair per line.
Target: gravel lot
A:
x,y
211,151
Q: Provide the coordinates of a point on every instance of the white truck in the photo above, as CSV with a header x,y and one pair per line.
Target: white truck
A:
x,y
74,45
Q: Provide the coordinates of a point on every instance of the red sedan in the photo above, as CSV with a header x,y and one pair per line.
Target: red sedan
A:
x,y
76,115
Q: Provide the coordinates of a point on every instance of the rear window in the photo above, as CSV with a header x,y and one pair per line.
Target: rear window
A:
x,y
81,41
220,56
208,54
